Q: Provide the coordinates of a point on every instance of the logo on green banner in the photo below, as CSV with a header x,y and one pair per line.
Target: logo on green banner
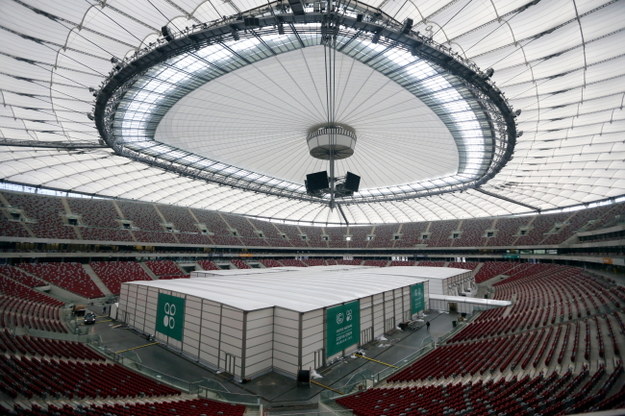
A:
x,y
170,316
417,298
342,327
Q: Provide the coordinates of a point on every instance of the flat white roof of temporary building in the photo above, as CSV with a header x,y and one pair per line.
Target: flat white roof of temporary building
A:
x,y
268,270
301,290
423,272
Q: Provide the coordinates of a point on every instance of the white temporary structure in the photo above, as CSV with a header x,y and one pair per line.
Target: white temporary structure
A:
x,y
248,323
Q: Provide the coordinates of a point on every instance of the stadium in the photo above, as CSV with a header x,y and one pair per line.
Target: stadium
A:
x,y
312,208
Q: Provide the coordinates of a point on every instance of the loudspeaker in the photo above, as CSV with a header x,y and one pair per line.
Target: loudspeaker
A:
x,y
407,26
352,182
359,17
166,33
316,182
303,376
251,21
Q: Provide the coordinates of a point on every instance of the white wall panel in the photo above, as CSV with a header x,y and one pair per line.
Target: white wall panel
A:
x,y
378,315
286,340
313,335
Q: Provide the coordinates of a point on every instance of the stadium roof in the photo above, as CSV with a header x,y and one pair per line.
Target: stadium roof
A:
x,y
216,116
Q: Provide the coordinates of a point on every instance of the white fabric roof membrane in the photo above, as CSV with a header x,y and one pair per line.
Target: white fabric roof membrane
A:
x,y
300,290
271,136
560,61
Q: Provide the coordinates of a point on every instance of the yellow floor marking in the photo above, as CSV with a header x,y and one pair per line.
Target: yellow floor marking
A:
x,y
325,387
136,348
377,361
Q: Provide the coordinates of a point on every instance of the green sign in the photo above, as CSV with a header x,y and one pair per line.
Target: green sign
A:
x,y
417,298
170,316
342,326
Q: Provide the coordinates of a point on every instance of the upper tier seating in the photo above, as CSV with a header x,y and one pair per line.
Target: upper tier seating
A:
x,y
315,236
13,227
360,236
222,233
45,215
245,231
411,234
441,233
506,231
539,227
100,220
384,235
473,233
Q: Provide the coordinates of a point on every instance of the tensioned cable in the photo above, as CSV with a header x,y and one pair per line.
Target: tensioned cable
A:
x,y
329,48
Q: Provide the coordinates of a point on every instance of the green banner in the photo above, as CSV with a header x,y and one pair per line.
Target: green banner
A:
x,y
170,316
417,298
342,327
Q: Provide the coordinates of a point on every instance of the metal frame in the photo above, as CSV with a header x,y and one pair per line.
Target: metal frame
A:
x,y
357,22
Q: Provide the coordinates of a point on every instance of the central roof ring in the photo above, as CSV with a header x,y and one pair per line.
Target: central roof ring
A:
x,y
127,112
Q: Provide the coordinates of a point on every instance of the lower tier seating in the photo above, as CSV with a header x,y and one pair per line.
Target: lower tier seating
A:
x,y
194,407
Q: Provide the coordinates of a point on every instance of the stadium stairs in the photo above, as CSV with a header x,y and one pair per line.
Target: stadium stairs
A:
x,y
98,282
